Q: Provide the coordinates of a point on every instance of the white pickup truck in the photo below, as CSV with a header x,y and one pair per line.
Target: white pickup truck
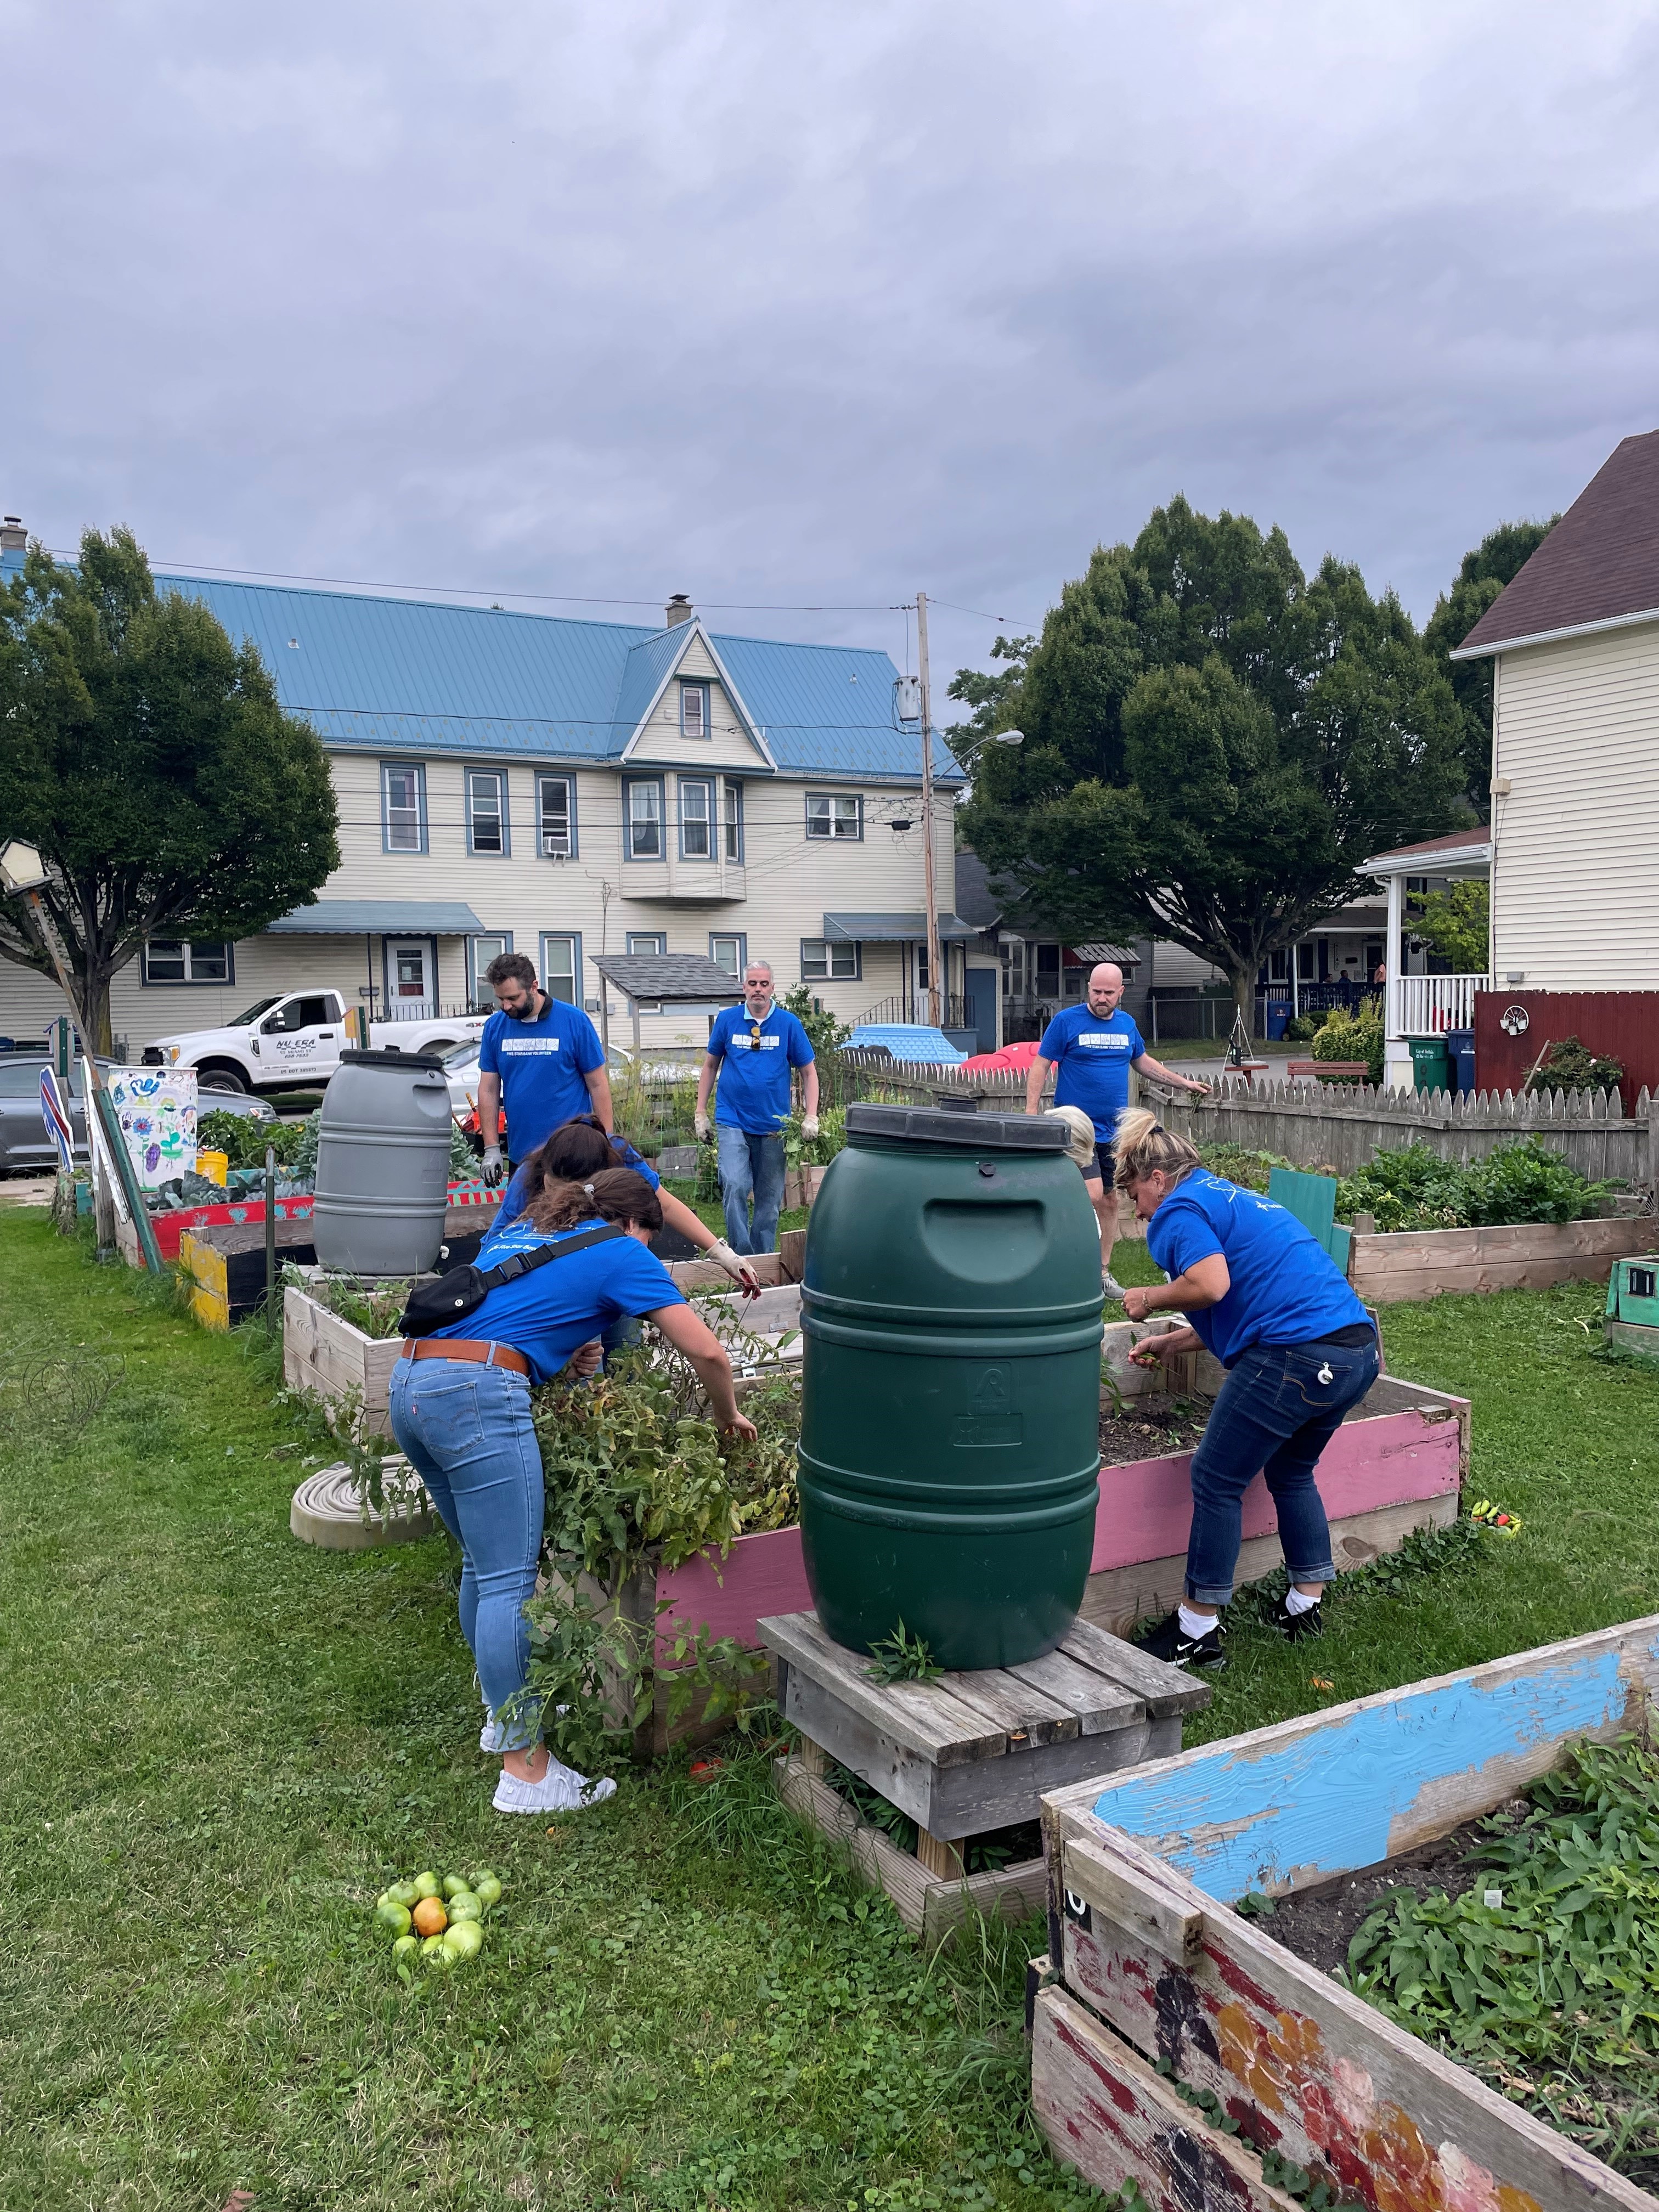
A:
x,y
295,1038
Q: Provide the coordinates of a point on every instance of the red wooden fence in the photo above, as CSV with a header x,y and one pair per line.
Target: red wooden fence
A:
x,y
1511,1028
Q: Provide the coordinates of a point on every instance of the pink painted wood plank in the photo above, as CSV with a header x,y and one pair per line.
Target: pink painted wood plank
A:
x,y
1146,1508
762,1574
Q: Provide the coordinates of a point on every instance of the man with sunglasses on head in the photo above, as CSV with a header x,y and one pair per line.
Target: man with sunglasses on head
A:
x,y
752,1050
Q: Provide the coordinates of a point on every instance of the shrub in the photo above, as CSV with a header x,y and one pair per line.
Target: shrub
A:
x,y
1302,1029
1353,1036
1570,1066
243,1140
1415,1188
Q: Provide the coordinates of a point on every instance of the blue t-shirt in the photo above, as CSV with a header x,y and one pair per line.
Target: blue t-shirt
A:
x,y
1091,1057
541,1065
513,1197
754,1079
546,1314
1284,1288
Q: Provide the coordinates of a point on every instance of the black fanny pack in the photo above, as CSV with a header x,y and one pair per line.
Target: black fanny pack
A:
x,y
463,1289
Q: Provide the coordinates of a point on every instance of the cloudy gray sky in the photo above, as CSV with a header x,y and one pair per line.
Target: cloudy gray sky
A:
x,y
779,305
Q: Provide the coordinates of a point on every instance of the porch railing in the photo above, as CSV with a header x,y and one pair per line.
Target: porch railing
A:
x,y
1431,1004
912,1007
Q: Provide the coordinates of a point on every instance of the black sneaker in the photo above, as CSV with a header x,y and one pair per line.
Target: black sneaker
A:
x,y
1295,1625
1166,1640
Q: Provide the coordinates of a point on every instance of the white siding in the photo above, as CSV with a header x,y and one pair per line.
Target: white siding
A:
x,y
1575,890
728,744
780,897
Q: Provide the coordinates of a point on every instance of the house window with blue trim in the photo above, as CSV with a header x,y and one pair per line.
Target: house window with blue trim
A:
x,y
826,962
172,960
555,817
694,710
643,817
834,815
732,803
729,951
480,951
562,965
696,818
486,810
403,806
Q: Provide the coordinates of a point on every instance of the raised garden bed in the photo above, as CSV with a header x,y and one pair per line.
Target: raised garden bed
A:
x,y
1527,1255
1171,2012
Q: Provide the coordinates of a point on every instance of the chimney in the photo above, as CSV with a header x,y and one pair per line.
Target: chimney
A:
x,y
14,542
678,610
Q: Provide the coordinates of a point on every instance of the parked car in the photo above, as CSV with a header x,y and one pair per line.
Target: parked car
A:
x,y
295,1039
24,1143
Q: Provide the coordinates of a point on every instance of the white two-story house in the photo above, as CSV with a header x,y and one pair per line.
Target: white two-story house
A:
x,y
514,782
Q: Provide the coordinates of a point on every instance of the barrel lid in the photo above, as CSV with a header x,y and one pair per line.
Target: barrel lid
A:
x,y
389,1056
978,1132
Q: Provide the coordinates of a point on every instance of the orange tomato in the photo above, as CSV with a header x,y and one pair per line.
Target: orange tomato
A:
x,y
430,1918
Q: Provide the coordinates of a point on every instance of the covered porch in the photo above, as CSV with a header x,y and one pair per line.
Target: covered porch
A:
x,y
1425,1006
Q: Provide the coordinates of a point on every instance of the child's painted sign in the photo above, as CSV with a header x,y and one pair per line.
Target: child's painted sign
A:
x,y
156,1109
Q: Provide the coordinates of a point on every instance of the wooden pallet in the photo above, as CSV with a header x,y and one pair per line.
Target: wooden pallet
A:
x,y
968,1753
1527,1255
1153,1961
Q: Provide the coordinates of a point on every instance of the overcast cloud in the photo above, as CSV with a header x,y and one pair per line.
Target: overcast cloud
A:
x,y
773,304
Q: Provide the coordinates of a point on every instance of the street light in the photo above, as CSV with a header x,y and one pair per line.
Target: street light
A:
x,y
20,867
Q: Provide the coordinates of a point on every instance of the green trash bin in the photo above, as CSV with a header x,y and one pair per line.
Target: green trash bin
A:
x,y
1430,1064
951,1385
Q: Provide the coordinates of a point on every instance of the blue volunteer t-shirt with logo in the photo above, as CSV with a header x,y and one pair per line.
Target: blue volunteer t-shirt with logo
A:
x,y
755,1057
1284,1288
513,1198
541,1065
1091,1055
546,1313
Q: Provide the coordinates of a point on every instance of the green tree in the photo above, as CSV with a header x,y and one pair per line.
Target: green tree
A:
x,y
145,754
1457,923
988,697
1496,560
1213,743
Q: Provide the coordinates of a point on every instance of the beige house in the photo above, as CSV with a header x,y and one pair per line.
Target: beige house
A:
x,y
565,788
1574,641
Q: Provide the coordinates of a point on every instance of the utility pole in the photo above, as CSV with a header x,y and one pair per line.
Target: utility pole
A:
x,y
930,892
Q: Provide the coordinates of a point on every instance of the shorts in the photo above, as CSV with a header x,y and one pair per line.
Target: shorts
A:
x,y
1104,1168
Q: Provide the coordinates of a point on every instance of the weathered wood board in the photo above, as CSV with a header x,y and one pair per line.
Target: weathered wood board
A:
x,y
1297,2059
1524,1256
322,1352
930,1907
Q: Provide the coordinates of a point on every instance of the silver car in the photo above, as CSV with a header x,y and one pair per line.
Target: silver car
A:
x,y
24,1144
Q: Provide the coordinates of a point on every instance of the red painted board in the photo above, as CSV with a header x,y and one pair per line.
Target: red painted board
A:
x,y
1624,1025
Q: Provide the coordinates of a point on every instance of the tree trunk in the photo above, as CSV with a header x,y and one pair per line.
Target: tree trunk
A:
x,y
99,1031
1243,982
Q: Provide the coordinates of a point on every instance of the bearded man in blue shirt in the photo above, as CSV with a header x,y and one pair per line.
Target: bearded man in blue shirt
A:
x,y
1093,1047
752,1050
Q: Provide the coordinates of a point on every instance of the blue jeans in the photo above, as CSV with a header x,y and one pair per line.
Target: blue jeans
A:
x,y
1273,1418
751,1167
467,1433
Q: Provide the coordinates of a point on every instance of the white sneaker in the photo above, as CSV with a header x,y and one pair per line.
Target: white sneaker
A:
x,y
1111,1288
561,1790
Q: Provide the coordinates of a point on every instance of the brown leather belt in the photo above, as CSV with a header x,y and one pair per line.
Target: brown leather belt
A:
x,y
467,1348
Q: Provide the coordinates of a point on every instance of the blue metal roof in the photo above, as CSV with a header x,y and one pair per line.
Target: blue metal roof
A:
x,y
908,1041
377,674
381,918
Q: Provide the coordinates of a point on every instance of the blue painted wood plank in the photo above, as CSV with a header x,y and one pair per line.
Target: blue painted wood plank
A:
x,y
1311,1799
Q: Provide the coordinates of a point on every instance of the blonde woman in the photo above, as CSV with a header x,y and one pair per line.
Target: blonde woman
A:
x,y
1265,1298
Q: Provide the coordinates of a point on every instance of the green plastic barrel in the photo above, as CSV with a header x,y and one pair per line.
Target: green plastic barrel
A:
x,y
950,1388
1430,1064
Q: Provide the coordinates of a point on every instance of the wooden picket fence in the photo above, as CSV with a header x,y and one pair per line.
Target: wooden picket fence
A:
x,y
1341,1127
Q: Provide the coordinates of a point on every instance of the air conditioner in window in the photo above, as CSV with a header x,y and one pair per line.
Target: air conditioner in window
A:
x,y
556,844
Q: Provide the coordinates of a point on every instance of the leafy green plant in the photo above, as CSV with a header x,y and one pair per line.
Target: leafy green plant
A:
x,y
1411,1188
1527,1182
1570,1066
371,1307
243,1140
817,1152
1415,1188
901,1657
1564,1973
1457,924
1357,1036
824,1032
1239,1163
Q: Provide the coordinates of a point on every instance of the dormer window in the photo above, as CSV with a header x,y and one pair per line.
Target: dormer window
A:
x,y
694,710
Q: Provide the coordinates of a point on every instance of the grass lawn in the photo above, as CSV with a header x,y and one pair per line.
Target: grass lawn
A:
x,y
218,1745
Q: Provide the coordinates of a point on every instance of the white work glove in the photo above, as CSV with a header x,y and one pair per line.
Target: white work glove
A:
x,y
700,1123
492,1169
742,1271
809,1127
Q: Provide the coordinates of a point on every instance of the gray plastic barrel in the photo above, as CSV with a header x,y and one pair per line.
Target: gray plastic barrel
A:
x,y
382,1165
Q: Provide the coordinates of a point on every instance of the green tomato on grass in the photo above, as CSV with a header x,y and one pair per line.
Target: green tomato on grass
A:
x,y
404,1893
406,1947
464,1906
428,1885
463,1940
487,1890
454,1883
433,1952
393,1916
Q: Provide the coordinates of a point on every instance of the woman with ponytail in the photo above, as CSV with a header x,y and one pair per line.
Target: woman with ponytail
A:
x,y
1264,1296
460,1410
